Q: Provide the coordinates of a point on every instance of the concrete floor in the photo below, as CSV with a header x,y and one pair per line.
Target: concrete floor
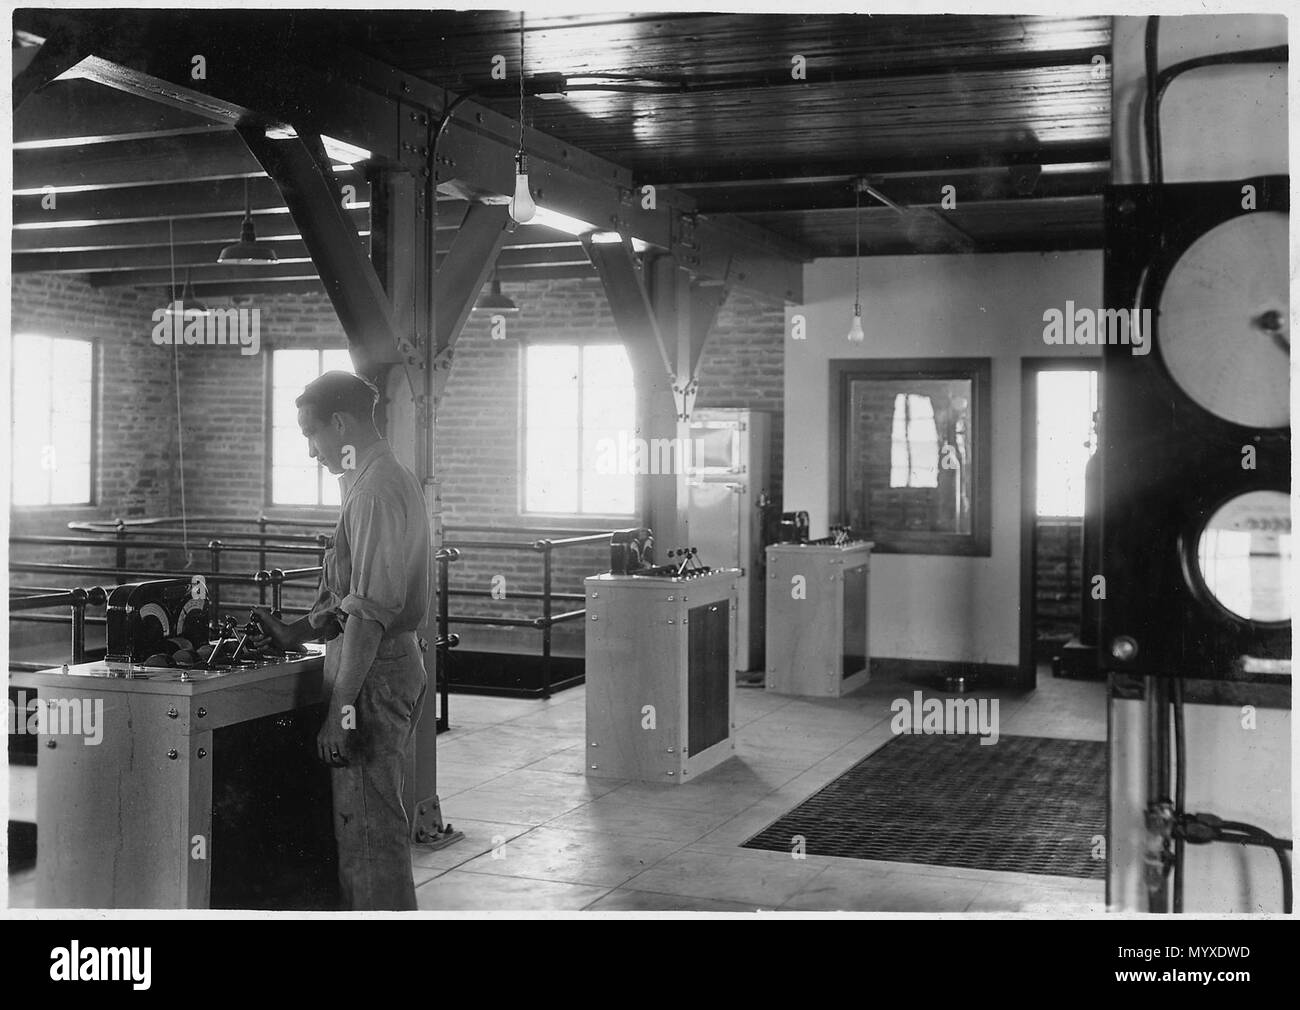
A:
x,y
541,836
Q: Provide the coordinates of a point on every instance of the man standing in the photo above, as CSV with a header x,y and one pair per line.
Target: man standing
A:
x,y
375,587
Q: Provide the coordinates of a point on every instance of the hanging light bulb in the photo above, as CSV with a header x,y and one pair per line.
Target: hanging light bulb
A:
x,y
522,207
855,335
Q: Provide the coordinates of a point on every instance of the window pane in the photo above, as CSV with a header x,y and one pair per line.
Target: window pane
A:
x,y
288,447
293,485
52,427
1067,401
295,478
580,405
295,368
551,428
336,361
329,487
70,483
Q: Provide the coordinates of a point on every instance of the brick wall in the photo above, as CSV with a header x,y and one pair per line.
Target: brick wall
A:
x,y
137,408
223,397
478,425
743,365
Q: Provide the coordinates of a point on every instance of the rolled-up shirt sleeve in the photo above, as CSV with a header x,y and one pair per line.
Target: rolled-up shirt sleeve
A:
x,y
377,588
326,606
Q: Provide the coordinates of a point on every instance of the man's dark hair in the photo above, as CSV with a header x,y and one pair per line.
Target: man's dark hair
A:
x,y
340,392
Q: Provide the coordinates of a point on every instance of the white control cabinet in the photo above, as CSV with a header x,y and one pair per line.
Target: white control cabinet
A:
x,y
817,617
660,684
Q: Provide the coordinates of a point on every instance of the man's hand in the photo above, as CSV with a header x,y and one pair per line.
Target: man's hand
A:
x,y
333,742
274,631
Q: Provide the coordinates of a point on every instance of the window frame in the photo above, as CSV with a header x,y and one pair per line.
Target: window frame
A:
x,y
978,371
94,490
521,448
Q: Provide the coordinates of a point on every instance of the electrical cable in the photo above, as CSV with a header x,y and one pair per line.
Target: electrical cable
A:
x,y
1155,170
176,376
1201,829
1180,788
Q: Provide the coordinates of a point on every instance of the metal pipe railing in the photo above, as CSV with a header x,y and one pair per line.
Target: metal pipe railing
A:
x,y
116,525
76,600
310,545
547,596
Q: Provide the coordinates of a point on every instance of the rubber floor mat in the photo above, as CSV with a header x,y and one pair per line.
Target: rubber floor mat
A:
x,y
1024,804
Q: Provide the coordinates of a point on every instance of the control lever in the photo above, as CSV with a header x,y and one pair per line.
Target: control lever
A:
x,y
226,634
245,633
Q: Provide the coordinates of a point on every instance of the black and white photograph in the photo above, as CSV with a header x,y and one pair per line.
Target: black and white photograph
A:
x,y
750,463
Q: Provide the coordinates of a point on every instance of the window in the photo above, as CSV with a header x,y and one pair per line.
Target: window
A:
x,y
1067,438
296,478
579,400
53,420
910,437
914,449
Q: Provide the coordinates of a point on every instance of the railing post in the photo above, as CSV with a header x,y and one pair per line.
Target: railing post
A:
x,y
546,618
79,597
445,557
277,583
261,558
214,590
120,526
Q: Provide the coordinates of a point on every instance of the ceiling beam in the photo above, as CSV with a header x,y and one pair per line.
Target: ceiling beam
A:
x,y
217,154
269,287
302,171
259,290
153,264
162,278
968,159
464,269
363,102
630,305
60,50
271,225
913,190
972,61
156,203
72,109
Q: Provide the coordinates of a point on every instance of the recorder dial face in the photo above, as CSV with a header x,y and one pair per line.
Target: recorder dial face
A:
x,y
1244,556
1223,326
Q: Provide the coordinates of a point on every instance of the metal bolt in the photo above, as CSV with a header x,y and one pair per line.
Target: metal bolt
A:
x,y
172,713
202,712
670,750
670,599
172,755
595,617
202,752
594,743
50,744
594,767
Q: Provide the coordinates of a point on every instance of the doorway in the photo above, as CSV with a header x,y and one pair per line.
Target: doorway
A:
x,y
1058,439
